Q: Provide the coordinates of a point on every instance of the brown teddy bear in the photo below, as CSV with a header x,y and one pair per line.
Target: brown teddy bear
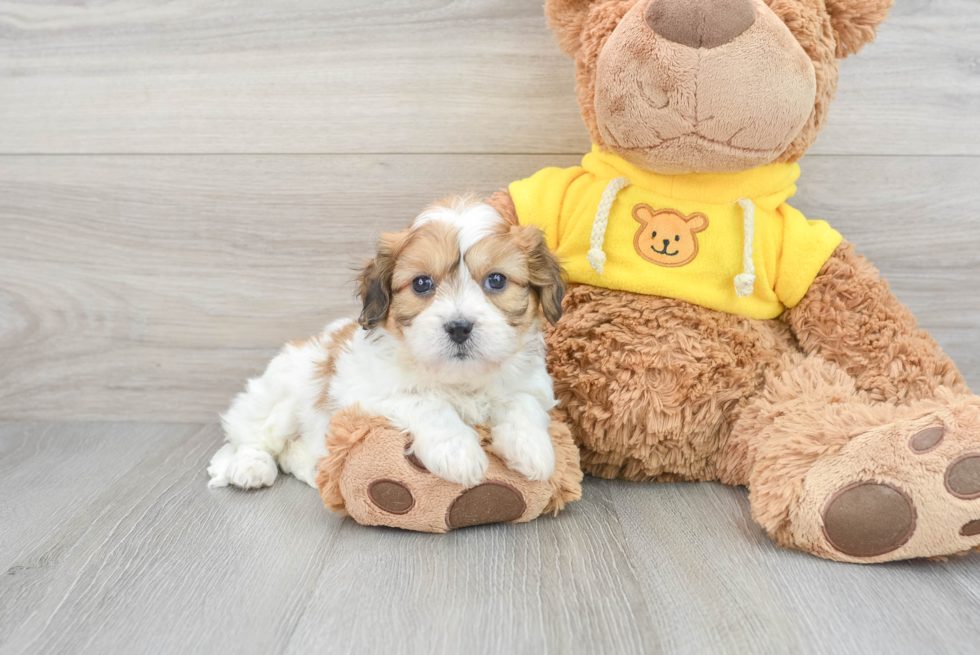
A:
x,y
711,331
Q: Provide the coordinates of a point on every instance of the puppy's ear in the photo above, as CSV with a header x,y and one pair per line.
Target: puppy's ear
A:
x,y
855,21
374,286
545,273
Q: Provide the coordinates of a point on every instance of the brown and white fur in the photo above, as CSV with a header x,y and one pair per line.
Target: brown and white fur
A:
x,y
412,358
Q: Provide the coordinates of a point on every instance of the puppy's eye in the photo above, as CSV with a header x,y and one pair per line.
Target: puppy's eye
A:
x,y
495,282
654,233
423,284
677,238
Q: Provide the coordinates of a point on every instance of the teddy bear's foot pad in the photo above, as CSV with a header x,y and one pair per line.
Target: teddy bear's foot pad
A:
x,y
490,502
903,490
392,497
865,519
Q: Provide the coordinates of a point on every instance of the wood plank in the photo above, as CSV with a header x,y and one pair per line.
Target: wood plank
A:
x,y
705,564
366,76
916,89
132,553
51,471
555,585
150,287
158,563
155,562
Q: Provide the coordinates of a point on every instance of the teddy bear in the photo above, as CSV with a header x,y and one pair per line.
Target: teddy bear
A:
x,y
710,330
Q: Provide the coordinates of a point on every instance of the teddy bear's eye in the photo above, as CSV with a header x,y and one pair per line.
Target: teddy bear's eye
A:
x,y
677,238
654,233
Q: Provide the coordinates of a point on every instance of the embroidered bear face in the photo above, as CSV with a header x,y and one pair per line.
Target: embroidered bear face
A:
x,y
667,237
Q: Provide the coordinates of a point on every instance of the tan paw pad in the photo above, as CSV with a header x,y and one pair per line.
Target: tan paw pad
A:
x,y
865,519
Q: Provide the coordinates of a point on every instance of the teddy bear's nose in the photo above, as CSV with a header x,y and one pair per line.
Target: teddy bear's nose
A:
x,y
700,23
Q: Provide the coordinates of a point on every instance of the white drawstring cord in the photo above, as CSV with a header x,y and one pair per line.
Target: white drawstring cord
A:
x,y
596,256
745,281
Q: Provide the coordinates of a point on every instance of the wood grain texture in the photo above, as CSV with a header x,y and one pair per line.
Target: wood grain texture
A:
x,y
147,286
151,561
132,553
366,76
705,564
559,585
150,287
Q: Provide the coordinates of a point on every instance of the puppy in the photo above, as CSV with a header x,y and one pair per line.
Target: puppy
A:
x,y
449,337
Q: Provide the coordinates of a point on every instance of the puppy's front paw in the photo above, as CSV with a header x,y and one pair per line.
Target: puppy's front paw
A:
x,y
527,450
453,456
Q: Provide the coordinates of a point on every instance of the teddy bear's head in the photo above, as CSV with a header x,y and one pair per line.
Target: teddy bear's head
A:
x,y
709,86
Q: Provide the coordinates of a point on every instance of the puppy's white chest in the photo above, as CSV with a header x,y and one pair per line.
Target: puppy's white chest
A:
x,y
473,410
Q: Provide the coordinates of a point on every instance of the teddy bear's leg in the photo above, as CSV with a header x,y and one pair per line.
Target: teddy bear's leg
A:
x,y
844,478
850,317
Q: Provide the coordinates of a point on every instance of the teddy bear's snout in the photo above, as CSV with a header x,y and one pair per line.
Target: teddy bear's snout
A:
x,y
700,23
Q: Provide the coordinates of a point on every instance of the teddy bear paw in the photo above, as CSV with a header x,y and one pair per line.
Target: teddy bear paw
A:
x,y
908,489
372,473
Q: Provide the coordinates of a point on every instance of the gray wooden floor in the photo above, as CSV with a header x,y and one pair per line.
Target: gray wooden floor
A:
x,y
112,543
186,185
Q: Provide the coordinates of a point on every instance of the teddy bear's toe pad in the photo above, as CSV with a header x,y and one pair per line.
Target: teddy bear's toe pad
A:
x,y
927,440
865,519
490,502
390,496
963,477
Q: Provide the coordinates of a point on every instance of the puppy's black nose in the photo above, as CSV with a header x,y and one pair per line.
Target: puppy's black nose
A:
x,y
459,331
666,243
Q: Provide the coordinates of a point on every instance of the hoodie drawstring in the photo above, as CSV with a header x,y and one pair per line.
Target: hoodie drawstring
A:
x,y
745,281
596,256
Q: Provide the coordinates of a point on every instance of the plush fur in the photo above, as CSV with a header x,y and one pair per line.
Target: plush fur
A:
x,y
583,27
458,264
821,413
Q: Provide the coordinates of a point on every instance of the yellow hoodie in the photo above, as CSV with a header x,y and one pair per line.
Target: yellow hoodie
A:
x,y
727,242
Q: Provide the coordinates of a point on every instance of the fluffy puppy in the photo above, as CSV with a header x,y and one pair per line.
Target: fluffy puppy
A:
x,y
449,337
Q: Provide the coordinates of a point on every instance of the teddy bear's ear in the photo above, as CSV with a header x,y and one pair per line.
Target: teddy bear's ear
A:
x,y
697,222
566,19
854,22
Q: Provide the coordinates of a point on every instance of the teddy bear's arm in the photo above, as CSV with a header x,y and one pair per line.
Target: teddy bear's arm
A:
x,y
850,317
